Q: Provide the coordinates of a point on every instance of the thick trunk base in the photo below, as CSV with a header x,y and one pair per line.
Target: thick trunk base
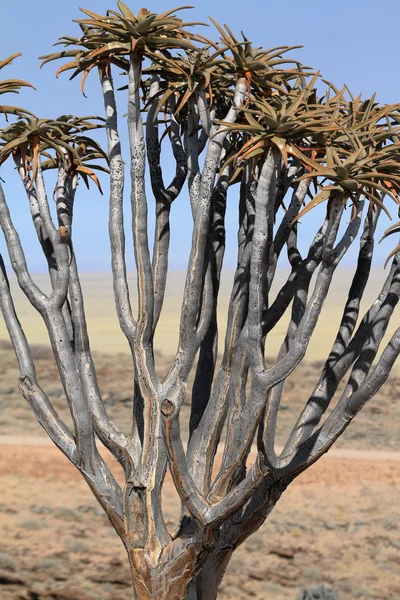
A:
x,y
167,578
189,569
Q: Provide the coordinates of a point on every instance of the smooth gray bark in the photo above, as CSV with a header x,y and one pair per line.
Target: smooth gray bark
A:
x,y
222,504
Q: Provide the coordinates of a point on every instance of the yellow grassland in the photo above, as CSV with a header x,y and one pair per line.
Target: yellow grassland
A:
x,y
106,337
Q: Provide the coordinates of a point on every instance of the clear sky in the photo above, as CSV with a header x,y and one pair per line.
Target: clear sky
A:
x,y
352,41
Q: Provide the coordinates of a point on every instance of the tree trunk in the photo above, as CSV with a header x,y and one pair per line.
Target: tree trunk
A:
x,y
192,568
205,585
184,571
170,575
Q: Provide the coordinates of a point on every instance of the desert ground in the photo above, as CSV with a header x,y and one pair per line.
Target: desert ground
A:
x,y
337,524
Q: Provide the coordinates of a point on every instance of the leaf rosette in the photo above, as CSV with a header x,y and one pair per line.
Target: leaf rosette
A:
x,y
53,144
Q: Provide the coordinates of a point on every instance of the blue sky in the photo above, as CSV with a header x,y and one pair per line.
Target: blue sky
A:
x,y
351,41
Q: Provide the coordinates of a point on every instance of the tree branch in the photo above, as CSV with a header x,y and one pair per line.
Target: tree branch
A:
x,y
164,196
189,340
116,218
32,392
328,382
260,255
107,432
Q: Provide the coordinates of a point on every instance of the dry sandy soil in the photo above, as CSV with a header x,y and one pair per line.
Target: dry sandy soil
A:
x,y
337,524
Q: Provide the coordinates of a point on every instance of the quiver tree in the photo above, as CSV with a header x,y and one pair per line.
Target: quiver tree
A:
x,y
260,126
